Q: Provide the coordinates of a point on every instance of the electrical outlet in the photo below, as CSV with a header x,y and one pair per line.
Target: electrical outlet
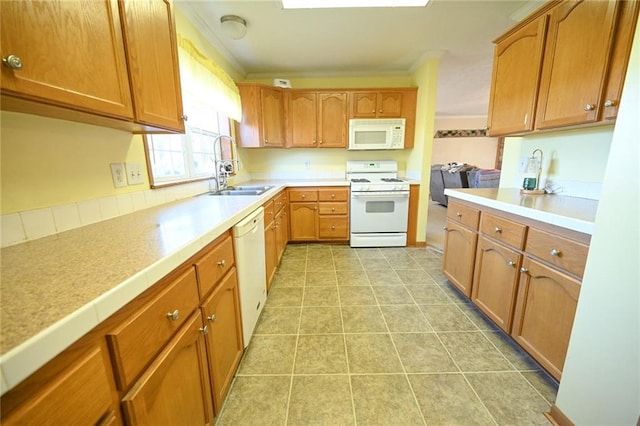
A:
x,y
118,175
307,164
134,174
522,165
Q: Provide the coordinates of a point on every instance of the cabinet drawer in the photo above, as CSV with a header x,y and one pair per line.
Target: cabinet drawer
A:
x,y
333,194
280,201
215,264
303,195
269,212
136,341
463,214
558,251
503,230
333,208
334,227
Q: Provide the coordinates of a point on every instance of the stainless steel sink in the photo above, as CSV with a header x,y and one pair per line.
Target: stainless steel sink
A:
x,y
243,190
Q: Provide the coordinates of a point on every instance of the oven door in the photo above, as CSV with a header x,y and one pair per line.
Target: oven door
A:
x,y
379,211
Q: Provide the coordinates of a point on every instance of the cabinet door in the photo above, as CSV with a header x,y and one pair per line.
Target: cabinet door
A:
x,y
302,119
495,281
270,251
281,234
175,388
224,340
80,395
364,104
459,256
389,104
575,62
332,120
517,63
333,227
62,61
272,116
544,314
150,41
304,221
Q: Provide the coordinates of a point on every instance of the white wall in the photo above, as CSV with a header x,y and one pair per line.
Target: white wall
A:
x,y
477,151
601,378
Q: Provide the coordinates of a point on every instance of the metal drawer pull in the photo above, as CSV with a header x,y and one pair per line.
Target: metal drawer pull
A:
x,y
556,253
458,214
333,227
304,195
444,227
524,270
173,316
511,263
333,209
498,230
589,107
333,195
13,62
212,318
222,263
204,330
609,103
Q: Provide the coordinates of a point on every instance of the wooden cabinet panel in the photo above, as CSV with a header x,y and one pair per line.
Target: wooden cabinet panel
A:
x,y
466,215
559,252
224,339
333,228
503,230
215,264
517,63
333,194
302,119
383,104
390,104
332,122
495,281
282,233
262,116
80,395
576,60
303,218
272,109
296,195
459,256
150,40
333,208
175,388
270,252
544,314
154,325
280,201
62,60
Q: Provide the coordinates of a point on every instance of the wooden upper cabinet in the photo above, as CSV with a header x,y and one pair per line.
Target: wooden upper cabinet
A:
x,y
272,103
332,120
514,84
387,104
317,119
302,119
150,40
61,62
262,116
579,43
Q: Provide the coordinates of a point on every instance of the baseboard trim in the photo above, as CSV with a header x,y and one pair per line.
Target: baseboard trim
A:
x,y
557,417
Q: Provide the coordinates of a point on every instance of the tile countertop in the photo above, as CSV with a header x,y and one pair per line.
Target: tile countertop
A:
x,y
577,214
55,289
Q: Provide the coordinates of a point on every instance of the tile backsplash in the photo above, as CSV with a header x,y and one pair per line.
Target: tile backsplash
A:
x,y
29,225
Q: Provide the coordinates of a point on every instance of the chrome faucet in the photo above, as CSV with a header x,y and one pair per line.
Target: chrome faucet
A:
x,y
223,168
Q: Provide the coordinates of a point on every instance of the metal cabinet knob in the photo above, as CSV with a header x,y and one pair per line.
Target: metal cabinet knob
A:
x,y
380,111
609,103
212,318
511,263
304,195
321,142
313,142
498,230
185,117
589,107
333,227
173,316
13,62
524,270
222,263
333,195
333,209
204,330
556,253
444,227
458,214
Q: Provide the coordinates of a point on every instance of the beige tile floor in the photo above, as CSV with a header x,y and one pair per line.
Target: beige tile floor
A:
x,y
378,337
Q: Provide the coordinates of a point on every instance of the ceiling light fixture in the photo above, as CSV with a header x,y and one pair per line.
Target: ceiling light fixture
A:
x,y
317,4
233,26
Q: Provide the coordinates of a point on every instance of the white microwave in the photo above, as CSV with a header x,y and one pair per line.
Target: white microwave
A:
x,y
376,133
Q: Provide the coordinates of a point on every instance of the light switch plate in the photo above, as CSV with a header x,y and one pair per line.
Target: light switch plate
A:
x,y
118,175
135,175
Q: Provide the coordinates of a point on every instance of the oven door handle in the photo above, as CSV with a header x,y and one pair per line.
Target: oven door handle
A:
x,y
387,194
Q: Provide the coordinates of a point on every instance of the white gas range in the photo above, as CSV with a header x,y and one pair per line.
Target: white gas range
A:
x,y
379,204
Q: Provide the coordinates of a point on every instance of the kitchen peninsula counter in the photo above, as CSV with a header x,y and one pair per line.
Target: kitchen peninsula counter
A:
x,y
576,214
57,288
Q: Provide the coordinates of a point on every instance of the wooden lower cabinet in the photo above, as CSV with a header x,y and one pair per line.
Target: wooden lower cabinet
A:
x,y
80,394
304,221
545,309
270,251
175,388
459,256
281,233
224,338
319,214
495,281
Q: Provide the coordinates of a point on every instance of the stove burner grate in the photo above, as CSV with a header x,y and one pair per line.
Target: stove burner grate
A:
x,y
360,180
391,180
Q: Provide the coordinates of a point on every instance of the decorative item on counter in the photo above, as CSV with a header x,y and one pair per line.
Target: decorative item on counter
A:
x,y
531,185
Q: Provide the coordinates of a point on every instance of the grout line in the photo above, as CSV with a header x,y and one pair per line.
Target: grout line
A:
x,y
346,356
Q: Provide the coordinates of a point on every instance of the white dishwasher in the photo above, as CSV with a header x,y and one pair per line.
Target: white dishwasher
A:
x,y
250,260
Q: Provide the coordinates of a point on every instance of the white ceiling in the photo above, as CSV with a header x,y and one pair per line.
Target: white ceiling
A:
x,y
374,41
